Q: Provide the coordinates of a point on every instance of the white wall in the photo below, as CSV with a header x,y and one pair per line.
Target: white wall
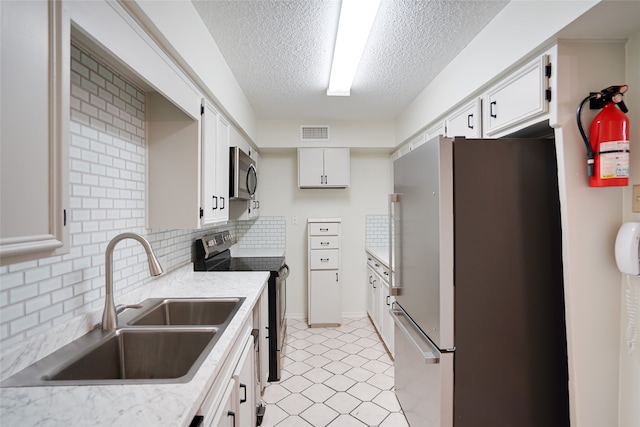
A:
x,y
280,195
370,134
630,363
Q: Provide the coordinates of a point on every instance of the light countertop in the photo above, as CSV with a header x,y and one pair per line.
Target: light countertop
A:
x,y
131,405
380,253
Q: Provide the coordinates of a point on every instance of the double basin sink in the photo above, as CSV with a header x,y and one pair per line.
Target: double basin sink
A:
x,y
162,341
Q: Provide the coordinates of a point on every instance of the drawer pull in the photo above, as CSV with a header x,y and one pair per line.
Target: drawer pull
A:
x,y
324,243
324,229
324,259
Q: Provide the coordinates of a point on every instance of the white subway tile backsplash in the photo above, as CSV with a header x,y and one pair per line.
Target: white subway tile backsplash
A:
x,y
377,230
107,197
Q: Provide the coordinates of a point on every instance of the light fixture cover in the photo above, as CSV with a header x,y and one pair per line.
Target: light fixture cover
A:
x,y
356,20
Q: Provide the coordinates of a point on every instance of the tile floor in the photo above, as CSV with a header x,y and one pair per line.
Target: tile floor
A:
x,y
333,377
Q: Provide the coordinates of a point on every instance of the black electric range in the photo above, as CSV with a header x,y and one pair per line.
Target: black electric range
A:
x,y
213,254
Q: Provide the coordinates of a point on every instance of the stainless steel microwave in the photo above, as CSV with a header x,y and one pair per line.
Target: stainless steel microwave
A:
x,y
243,176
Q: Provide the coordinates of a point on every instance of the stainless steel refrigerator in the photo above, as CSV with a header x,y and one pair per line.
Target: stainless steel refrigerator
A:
x,y
480,336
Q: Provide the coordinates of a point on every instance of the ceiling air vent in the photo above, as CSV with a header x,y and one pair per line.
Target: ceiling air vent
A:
x,y
314,133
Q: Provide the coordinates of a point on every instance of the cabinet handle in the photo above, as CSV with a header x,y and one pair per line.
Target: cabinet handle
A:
x,y
324,243
324,229
232,414
222,198
244,387
470,121
491,112
374,283
324,259
370,280
336,277
377,265
215,205
388,300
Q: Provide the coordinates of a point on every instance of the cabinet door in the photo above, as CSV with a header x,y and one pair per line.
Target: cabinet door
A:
x,y
310,167
377,309
324,291
244,376
369,288
222,169
467,121
34,129
209,200
386,317
225,413
337,167
215,166
518,98
436,129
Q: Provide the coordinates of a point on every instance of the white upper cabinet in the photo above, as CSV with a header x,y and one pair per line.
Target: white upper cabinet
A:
x,y
323,167
434,130
34,126
520,98
188,166
215,166
466,121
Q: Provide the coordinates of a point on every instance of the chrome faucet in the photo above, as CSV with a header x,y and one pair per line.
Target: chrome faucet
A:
x,y
109,316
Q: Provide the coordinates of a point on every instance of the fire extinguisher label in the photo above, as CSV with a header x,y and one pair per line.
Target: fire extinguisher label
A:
x,y
614,159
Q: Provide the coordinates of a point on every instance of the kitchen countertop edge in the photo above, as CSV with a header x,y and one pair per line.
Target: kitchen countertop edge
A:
x,y
141,404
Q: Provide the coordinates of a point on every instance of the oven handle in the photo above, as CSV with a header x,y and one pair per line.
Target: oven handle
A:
x,y
283,272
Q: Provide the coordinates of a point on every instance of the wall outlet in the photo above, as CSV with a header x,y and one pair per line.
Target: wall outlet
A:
x,y
635,204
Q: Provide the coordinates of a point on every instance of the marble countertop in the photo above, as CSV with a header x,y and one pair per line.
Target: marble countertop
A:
x,y
380,253
132,405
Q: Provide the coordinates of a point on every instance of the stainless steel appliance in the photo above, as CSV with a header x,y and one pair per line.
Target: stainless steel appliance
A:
x,y
243,176
212,254
479,316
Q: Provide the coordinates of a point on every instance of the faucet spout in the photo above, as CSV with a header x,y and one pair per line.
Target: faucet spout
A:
x,y
110,316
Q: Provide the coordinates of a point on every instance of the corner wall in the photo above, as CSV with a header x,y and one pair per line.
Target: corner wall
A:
x,y
367,195
630,362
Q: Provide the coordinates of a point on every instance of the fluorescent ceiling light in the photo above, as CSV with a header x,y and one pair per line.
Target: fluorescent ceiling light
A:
x,y
356,19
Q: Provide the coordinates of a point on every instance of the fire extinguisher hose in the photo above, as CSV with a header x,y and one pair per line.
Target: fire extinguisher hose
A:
x,y
590,153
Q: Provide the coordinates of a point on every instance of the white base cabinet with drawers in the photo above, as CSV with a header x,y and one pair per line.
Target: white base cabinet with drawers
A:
x,y
379,300
325,304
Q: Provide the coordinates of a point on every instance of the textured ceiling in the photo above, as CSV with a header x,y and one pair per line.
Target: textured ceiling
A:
x,y
280,52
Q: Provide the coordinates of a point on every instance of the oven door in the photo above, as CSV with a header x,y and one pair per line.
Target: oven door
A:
x,y
243,176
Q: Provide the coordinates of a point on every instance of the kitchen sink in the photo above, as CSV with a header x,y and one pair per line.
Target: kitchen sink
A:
x,y
123,356
162,340
188,312
133,354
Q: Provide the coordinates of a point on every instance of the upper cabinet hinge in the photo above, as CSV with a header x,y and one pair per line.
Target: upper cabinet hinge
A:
x,y
547,70
547,95
201,212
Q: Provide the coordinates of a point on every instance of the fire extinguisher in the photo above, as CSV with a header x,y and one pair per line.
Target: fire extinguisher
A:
x,y
608,143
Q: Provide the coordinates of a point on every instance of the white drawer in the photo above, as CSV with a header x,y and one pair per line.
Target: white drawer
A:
x,y
324,259
323,229
324,242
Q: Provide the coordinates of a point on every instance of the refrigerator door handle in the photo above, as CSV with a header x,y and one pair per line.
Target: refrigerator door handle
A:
x,y
423,346
394,241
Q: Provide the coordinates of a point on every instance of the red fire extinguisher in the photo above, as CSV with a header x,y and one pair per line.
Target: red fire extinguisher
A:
x,y
608,143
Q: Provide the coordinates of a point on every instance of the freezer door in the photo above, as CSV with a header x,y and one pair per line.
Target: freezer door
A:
x,y
421,229
423,376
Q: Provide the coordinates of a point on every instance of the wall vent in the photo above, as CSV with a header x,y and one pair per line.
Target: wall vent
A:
x,y
314,133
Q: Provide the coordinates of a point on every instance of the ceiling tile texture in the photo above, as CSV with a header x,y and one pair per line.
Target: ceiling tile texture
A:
x,y
280,52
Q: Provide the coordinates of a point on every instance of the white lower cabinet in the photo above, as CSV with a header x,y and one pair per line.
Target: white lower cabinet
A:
x,y
231,401
379,300
325,307
245,379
